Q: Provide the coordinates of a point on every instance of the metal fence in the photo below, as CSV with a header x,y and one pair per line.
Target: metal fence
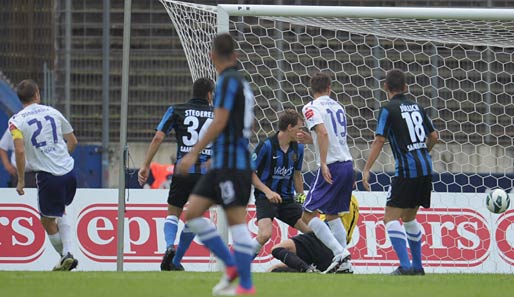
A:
x,y
33,35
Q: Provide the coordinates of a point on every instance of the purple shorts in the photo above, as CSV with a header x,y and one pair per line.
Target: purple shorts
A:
x,y
332,198
55,192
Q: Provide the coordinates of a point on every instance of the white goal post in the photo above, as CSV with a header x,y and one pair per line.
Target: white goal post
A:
x,y
459,62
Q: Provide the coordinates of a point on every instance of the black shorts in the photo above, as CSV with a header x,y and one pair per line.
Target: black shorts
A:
x,y
311,250
181,187
288,212
55,192
410,192
226,187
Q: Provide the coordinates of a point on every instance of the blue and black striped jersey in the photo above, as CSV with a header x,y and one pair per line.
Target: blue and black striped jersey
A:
x,y
407,127
275,168
189,120
230,148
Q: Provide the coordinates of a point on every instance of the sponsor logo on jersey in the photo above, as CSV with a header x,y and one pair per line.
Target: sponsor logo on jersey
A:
x,y
282,172
309,113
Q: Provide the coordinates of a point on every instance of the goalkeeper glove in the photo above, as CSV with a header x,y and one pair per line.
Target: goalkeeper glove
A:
x,y
300,198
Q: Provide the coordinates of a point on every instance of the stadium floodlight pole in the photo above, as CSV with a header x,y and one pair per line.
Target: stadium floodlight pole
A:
x,y
366,12
67,60
123,132
106,21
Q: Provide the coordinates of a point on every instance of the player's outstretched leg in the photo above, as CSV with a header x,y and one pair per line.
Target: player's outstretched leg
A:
x,y
186,237
210,237
323,233
292,260
337,228
244,251
398,239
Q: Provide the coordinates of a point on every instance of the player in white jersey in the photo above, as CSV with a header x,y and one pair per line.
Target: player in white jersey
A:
x,y
331,191
45,138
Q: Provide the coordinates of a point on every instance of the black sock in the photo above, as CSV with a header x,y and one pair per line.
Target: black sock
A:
x,y
290,259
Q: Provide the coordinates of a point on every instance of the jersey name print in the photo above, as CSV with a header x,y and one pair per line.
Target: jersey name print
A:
x,y
190,120
42,128
405,124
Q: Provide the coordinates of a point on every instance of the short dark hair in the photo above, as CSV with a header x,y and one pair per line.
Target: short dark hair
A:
x,y
224,45
395,80
288,117
201,87
320,82
26,90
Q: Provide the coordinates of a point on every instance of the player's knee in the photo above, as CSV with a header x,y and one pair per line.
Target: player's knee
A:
x,y
263,236
278,252
191,214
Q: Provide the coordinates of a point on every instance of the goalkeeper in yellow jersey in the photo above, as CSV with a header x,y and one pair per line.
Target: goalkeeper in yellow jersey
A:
x,y
306,253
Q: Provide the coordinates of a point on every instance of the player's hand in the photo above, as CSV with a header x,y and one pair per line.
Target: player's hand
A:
x,y
142,175
300,198
20,186
11,170
273,197
365,180
185,163
326,173
303,137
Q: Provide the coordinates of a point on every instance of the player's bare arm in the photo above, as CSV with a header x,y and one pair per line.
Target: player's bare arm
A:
x,y
432,140
322,133
19,150
219,122
376,148
71,141
144,171
298,186
273,197
7,164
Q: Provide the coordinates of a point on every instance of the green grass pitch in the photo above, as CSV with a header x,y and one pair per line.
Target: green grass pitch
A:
x,y
167,284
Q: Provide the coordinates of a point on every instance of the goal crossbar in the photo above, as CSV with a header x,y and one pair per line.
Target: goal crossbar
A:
x,y
367,12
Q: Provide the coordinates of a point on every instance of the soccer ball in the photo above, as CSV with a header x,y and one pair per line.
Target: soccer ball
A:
x,y
497,201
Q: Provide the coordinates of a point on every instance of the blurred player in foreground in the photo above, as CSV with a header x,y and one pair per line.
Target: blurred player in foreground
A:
x,y
306,253
44,138
278,162
412,136
189,120
228,183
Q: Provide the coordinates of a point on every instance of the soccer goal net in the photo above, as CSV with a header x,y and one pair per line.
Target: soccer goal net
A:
x,y
460,66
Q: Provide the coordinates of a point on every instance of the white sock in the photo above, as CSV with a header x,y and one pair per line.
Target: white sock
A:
x,y
324,234
198,225
55,239
413,230
65,232
337,228
243,242
257,245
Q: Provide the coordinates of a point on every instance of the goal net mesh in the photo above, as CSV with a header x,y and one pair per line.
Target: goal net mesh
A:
x,y
460,71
